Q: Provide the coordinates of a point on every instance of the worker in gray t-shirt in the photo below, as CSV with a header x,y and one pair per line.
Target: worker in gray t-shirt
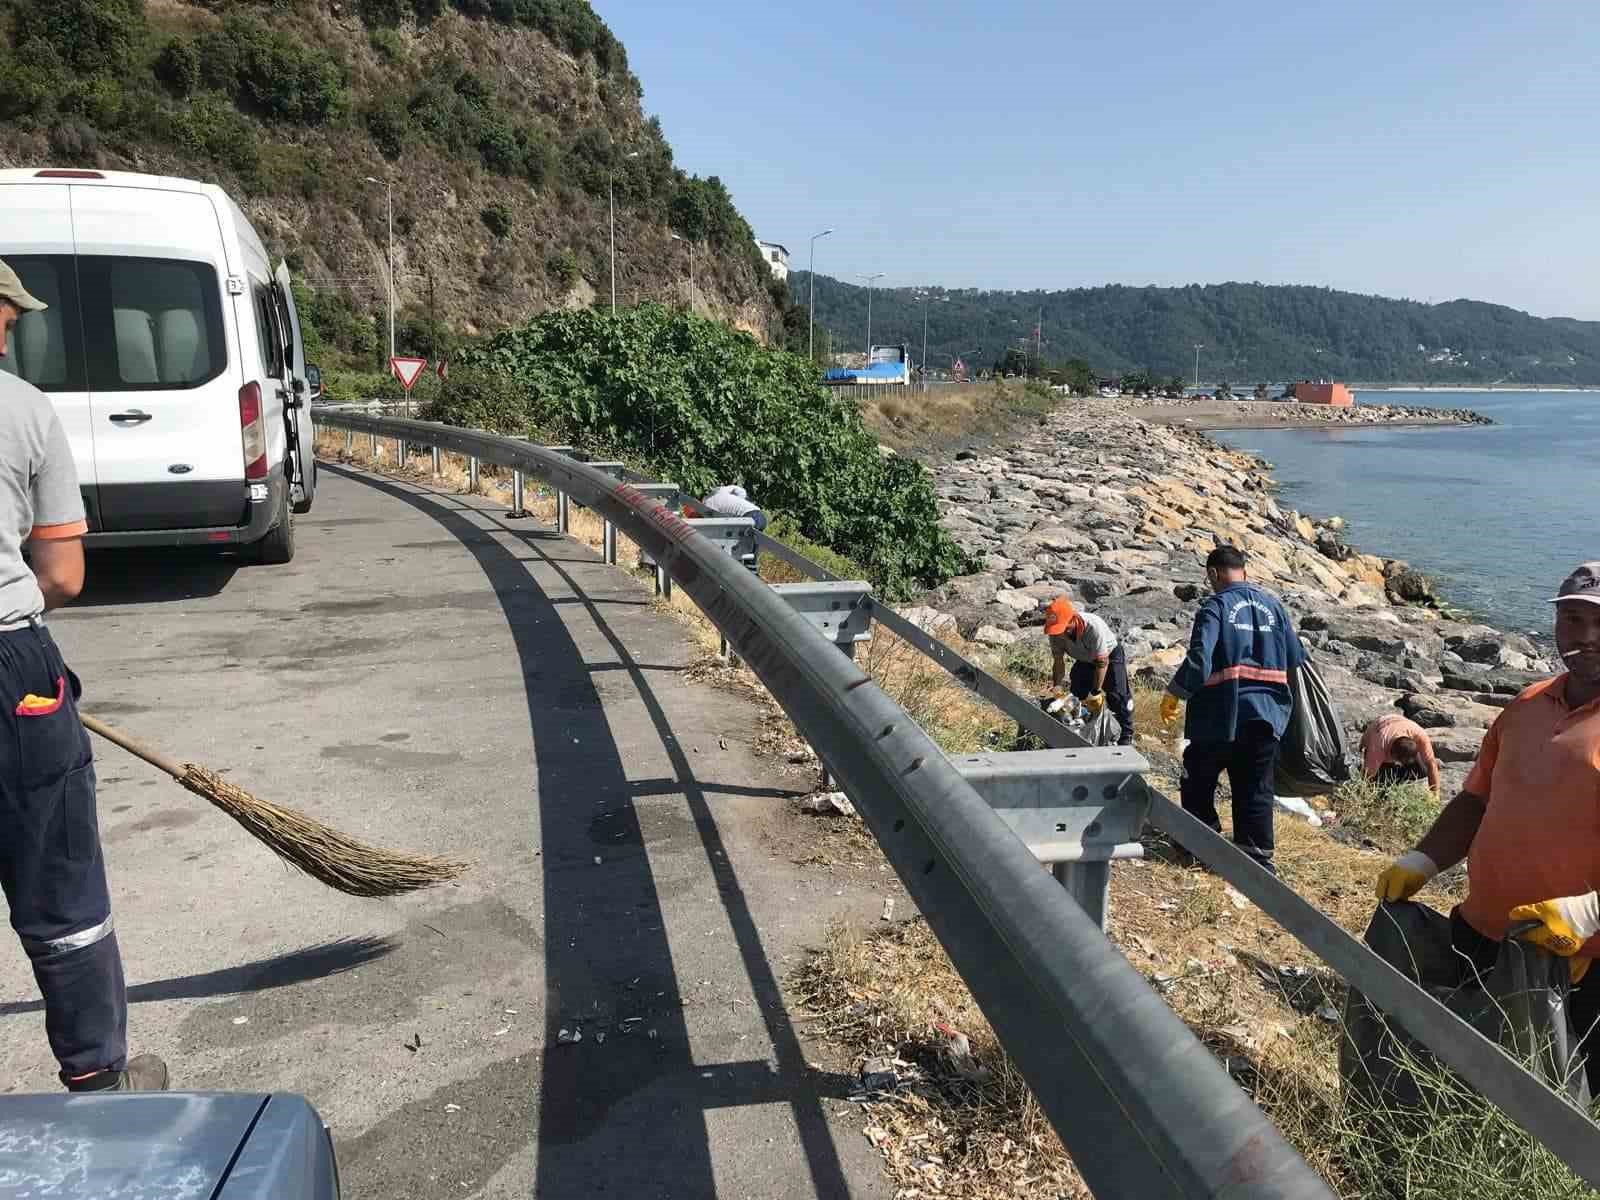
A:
x,y
51,865
1099,667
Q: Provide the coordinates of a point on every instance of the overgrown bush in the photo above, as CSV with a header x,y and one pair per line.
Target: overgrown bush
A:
x,y
90,35
497,220
178,66
706,405
272,72
563,269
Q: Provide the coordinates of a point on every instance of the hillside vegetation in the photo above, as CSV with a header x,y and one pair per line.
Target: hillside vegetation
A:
x,y
702,405
499,123
1251,332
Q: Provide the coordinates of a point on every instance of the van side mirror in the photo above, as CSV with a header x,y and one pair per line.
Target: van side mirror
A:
x,y
314,380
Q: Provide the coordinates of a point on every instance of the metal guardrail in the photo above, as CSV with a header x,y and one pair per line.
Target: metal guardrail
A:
x,y
1142,1106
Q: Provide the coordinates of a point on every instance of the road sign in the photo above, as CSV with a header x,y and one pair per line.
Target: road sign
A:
x,y
407,370
443,369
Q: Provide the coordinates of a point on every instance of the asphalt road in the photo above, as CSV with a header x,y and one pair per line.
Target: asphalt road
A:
x,y
429,675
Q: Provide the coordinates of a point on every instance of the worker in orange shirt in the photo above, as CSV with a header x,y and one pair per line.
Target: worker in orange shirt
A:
x,y
1395,749
1525,818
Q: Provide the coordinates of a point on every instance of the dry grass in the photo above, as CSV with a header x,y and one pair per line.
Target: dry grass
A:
x,y
913,419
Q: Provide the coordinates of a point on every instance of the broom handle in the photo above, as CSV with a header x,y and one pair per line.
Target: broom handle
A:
x,y
95,725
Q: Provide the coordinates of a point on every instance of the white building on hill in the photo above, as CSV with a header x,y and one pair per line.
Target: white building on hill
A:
x,y
776,257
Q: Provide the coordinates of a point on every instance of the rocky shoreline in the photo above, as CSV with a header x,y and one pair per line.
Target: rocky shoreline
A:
x,y
1201,413
1118,513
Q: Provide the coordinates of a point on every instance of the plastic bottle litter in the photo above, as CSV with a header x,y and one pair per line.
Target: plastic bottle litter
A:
x,y
1300,809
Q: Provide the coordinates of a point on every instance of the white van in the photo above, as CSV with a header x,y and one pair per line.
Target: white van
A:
x,y
172,352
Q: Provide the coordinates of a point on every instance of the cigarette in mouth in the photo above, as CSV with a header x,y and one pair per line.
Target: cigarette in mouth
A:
x,y
1574,653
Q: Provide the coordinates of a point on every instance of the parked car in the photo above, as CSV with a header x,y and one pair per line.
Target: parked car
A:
x,y
173,353
223,1145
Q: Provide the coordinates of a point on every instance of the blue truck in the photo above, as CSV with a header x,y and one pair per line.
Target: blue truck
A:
x,y
885,364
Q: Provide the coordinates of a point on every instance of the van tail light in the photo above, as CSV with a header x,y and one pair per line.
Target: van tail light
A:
x,y
59,173
253,431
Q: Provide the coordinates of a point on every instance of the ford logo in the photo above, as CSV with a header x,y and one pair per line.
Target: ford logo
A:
x,y
180,468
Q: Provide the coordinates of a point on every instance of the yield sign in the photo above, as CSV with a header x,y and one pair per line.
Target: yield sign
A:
x,y
407,370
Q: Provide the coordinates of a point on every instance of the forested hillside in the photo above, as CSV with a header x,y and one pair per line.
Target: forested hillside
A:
x,y
499,124
1250,332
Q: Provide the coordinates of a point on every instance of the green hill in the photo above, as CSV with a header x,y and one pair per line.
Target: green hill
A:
x,y
1251,332
499,122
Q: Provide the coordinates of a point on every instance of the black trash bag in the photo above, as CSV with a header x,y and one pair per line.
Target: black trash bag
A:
x,y
1312,759
1521,1004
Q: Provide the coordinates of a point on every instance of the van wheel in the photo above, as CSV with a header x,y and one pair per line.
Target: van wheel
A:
x,y
277,547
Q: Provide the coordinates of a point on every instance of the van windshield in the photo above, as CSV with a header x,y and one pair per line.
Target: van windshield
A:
x,y
118,324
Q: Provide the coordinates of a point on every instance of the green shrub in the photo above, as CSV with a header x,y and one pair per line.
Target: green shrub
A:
x,y
704,404
388,45
498,220
481,399
1394,816
89,35
497,143
30,79
389,122
213,127
272,72
562,267
178,66
98,99
383,12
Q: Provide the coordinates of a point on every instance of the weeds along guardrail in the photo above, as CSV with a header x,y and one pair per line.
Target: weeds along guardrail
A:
x,y
1141,1105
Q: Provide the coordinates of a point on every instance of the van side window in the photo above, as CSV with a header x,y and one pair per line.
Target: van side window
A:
x,y
46,348
150,324
267,332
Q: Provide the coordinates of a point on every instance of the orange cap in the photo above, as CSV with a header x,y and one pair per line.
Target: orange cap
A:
x,y
1058,615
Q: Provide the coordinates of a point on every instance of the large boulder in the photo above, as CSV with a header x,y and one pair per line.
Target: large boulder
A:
x,y
1446,711
1376,632
969,590
1502,681
1456,745
928,619
1406,585
989,635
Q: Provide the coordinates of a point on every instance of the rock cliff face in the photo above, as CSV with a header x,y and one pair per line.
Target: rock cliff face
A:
x,y
1119,514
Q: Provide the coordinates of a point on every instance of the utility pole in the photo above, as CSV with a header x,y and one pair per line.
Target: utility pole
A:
x,y
871,279
811,320
1198,346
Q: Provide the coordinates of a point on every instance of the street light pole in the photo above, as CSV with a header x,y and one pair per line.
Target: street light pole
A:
x,y
811,320
1198,346
870,280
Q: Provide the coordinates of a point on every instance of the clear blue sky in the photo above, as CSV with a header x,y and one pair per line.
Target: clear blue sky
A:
x,y
1406,148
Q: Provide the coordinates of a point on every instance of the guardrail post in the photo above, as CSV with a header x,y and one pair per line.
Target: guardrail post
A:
x,y
608,544
1077,810
403,451
516,495
436,463
472,473
374,444
349,441
562,514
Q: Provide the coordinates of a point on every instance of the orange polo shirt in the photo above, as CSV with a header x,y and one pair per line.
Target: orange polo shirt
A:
x,y
1539,770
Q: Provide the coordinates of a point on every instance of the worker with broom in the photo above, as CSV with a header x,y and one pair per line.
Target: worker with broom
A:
x,y
51,865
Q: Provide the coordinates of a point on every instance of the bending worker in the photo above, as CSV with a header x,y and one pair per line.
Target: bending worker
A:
x,y
1236,682
1395,749
731,500
1524,819
1099,667
51,865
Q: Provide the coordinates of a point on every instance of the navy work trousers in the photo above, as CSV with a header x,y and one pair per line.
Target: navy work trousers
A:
x,y
1119,695
51,866
1248,760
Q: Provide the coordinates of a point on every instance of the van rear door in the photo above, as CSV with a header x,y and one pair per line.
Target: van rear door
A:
x,y
297,400
46,348
163,404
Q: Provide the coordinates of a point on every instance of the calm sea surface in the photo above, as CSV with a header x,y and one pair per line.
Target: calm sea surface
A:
x,y
1497,515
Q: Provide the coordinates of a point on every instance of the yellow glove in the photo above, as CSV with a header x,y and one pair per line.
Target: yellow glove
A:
x,y
1170,705
1406,876
1564,925
1094,704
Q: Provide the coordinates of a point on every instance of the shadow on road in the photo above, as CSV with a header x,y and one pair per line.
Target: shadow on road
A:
x,y
609,965
154,576
282,970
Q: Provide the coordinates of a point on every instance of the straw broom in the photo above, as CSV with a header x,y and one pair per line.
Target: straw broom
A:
x,y
322,852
